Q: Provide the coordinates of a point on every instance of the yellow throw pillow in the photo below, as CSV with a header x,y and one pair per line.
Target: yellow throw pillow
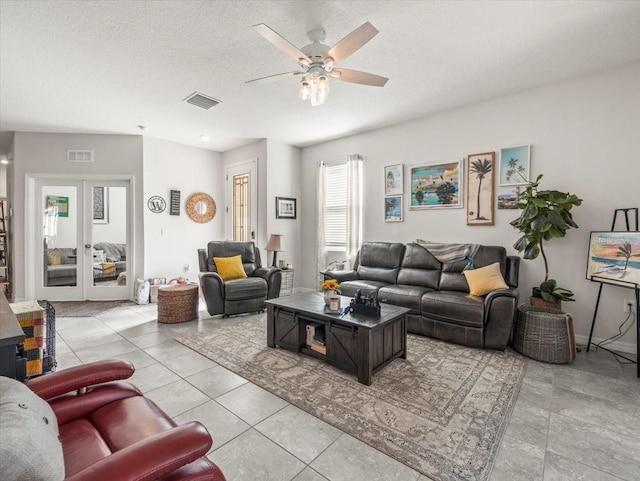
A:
x,y
230,268
485,279
54,258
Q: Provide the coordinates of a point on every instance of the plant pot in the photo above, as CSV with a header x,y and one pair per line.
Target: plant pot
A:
x,y
328,295
537,300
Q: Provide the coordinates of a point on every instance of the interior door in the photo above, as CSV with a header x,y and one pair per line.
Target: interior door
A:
x,y
242,201
85,238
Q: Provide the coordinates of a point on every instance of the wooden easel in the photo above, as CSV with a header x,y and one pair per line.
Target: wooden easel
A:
x,y
631,285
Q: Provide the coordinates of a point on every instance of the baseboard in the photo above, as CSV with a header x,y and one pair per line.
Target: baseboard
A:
x,y
627,347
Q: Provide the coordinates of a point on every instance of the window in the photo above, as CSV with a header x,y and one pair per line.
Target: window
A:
x,y
335,207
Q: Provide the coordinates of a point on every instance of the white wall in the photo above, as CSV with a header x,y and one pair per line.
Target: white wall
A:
x,y
172,242
37,154
585,139
3,180
283,180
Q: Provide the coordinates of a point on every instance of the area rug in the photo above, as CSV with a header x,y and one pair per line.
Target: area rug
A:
x,y
442,411
85,308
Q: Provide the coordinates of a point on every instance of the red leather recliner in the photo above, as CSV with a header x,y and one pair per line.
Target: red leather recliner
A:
x,y
110,431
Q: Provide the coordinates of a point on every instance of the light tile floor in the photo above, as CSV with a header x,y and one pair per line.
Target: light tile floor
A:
x,y
570,422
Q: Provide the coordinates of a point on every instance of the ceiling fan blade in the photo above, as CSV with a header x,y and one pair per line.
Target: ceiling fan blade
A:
x,y
357,77
283,44
352,42
274,77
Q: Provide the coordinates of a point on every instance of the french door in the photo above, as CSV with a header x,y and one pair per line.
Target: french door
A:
x,y
83,239
242,201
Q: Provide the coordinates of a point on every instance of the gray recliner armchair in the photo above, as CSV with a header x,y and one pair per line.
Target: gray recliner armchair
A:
x,y
239,295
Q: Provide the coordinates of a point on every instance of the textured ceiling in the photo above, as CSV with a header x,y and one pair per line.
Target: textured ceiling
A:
x,y
109,66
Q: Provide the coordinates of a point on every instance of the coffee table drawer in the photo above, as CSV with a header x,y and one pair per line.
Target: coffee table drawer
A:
x,y
287,330
342,348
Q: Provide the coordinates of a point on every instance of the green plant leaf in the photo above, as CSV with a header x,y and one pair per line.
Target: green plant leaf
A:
x,y
532,251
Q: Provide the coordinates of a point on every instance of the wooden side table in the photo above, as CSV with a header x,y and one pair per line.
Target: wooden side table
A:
x,y
545,335
177,303
286,288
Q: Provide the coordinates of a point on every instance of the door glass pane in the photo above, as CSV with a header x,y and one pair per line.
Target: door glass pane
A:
x,y
60,235
241,214
109,236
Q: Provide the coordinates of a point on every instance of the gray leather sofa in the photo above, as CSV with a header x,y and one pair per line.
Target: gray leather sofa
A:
x,y
240,295
437,293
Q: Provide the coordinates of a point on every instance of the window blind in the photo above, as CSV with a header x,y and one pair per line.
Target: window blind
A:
x,y
335,215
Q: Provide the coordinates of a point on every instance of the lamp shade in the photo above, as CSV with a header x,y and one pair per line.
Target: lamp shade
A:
x,y
275,243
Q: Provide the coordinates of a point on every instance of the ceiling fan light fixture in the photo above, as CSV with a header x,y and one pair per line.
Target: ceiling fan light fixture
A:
x,y
305,90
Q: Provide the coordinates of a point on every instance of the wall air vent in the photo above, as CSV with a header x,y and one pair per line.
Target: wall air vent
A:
x,y
79,155
202,101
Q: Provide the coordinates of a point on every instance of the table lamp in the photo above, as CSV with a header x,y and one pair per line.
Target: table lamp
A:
x,y
275,244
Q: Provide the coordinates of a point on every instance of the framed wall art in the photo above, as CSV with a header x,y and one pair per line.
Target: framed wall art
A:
x,y
436,186
480,195
285,208
101,205
515,165
393,180
508,197
60,203
393,208
614,258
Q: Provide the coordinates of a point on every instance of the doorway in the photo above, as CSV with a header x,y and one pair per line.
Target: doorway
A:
x,y
82,239
242,201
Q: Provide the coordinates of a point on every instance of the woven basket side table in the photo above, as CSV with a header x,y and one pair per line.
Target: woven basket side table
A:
x,y
545,335
177,303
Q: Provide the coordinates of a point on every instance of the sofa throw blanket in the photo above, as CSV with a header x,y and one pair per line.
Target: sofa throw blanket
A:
x,y
447,253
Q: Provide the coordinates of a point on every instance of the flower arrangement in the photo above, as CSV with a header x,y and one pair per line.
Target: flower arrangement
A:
x,y
330,285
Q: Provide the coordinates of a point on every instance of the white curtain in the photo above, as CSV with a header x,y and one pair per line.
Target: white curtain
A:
x,y
320,240
354,207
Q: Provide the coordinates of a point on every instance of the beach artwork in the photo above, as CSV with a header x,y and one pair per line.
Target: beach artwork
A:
x,y
514,165
614,258
508,197
393,208
436,186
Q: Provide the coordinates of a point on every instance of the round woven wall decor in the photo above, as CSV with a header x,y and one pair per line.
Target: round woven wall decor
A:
x,y
200,207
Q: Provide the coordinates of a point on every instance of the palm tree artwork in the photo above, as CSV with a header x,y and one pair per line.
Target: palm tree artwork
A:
x,y
516,173
481,168
625,251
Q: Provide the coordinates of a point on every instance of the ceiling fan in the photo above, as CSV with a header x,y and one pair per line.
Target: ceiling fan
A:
x,y
318,61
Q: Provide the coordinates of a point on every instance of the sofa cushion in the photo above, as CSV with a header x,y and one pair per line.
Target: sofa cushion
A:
x,y
402,295
419,267
454,307
485,279
366,287
380,261
230,268
242,289
250,259
29,443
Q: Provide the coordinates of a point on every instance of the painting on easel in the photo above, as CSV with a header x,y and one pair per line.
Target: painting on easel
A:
x,y
614,258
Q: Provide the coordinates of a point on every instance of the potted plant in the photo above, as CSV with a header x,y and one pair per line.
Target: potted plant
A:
x,y
546,214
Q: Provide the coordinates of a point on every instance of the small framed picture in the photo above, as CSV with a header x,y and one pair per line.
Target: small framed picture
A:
x,y
158,281
393,180
285,208
508,197
393,208
515,165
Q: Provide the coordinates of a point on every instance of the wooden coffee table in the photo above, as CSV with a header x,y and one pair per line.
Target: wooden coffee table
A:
x,y
354,343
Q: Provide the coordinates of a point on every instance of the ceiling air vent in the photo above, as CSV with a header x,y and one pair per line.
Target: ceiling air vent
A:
x,y
79,155
202,101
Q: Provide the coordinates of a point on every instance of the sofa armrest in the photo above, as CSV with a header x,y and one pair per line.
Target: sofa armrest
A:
x,y
273,276
341,276
152,457
79,377
513,271
202,260
213,292
501,309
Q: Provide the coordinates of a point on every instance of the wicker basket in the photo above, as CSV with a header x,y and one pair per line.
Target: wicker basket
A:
x,y
545,335
177,303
